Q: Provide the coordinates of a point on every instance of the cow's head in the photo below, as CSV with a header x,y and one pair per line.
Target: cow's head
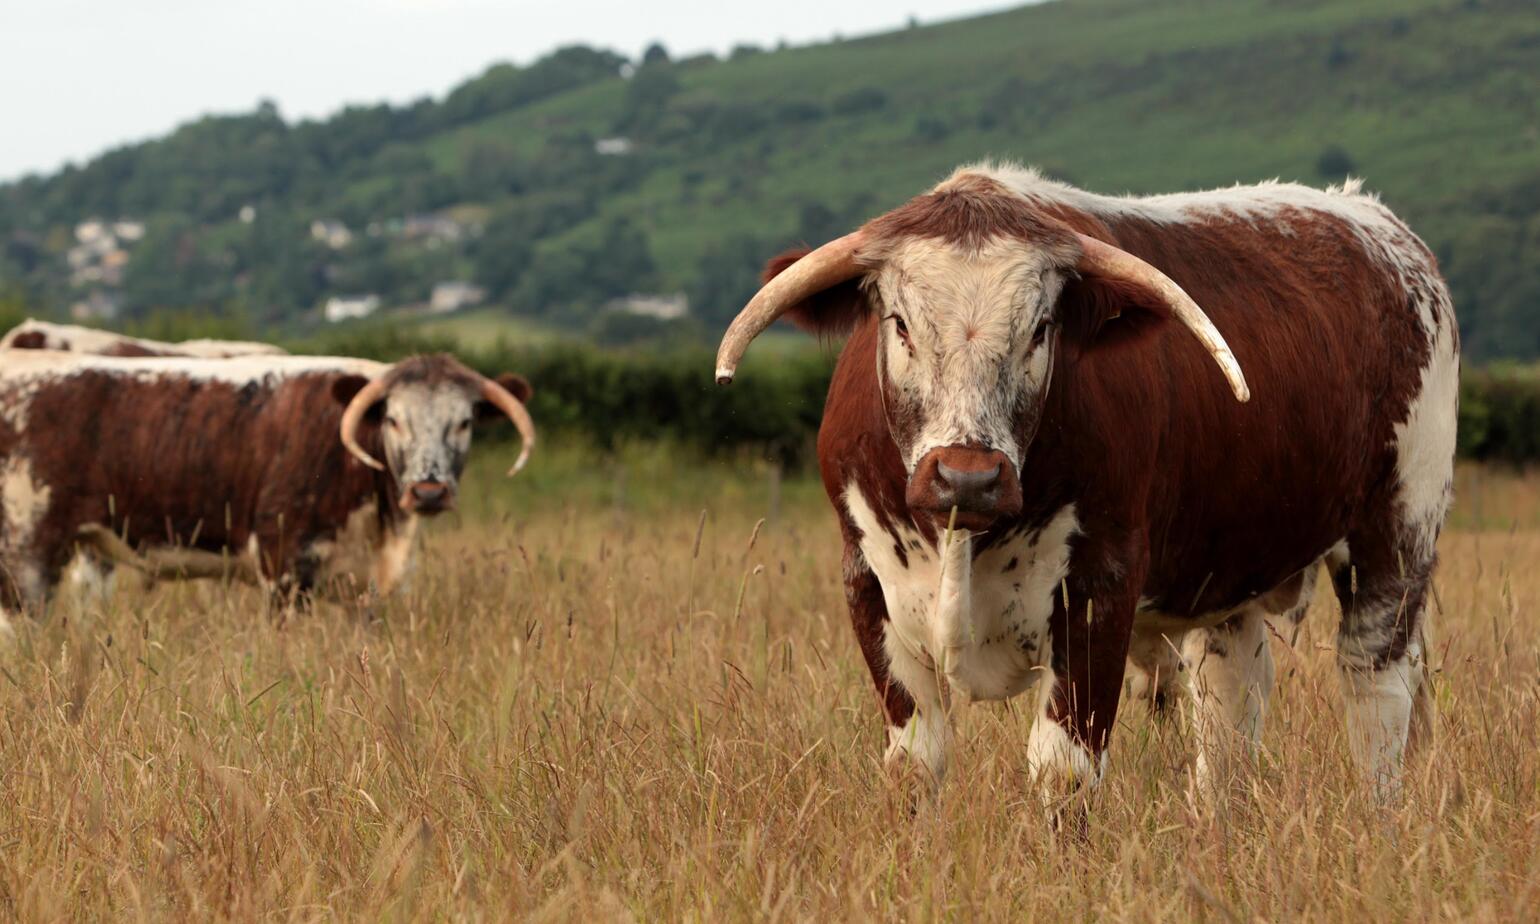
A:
x,y
424,408
975,289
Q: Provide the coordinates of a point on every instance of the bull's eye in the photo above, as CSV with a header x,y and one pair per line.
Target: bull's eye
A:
x,y
392,423
902,329
1040,333
463,425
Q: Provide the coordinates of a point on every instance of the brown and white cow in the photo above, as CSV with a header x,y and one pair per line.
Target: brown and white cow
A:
x,y
269,458
33,334
1031,359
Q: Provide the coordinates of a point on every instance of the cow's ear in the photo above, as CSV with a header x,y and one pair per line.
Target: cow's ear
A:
x,y
830,313
1096,313
516,385
346,387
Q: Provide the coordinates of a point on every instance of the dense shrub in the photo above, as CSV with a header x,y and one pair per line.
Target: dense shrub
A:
x,y
1500,415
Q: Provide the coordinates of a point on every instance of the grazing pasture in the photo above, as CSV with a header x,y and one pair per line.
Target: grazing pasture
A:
x,y
594,703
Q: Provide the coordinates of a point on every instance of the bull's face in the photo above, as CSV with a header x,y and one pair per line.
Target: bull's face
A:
x,y
965,351
424,410
426,434
974,288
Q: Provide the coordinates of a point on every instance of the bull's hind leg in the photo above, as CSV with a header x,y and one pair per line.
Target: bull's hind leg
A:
x,y
1386,581
1230,667
1384,591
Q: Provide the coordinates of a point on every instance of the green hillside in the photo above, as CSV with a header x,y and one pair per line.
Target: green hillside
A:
x,y
1435,102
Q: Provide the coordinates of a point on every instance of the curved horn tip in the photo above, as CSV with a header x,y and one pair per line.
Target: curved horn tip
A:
x,y
725,375
370,461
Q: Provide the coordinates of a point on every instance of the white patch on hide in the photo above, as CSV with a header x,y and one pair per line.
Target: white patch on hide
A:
x,y
1425,444
25,501
77,339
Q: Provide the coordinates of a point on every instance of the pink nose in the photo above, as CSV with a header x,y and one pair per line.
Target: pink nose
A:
x,y
981,484
427,497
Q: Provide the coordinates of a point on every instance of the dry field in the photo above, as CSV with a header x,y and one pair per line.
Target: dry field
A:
x,y
587,709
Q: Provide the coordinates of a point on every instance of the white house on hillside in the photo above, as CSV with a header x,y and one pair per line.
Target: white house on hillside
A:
x,y
351,307
454,295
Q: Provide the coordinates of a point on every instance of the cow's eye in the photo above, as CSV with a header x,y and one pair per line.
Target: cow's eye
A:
x,y
392,423
901,329
1040,333
464,425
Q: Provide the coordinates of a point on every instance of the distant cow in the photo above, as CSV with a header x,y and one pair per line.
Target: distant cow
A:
x,y
267,458
1041,449
32,334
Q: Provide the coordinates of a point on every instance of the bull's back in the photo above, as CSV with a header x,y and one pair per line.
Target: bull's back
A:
x,y
1335,324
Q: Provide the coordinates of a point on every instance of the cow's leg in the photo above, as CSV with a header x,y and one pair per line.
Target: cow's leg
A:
x,y
26,583
916,724
1155,670
1230,670
1091,626
91,579
1384,588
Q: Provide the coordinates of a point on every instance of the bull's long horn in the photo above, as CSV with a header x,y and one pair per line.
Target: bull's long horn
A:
x,y
830,264
514,408
353,415
1103,259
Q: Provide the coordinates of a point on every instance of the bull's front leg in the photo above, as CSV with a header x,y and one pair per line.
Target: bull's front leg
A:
x,y
917,730
1091,627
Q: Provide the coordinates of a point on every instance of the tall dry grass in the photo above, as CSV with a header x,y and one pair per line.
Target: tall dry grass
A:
x,y
594,705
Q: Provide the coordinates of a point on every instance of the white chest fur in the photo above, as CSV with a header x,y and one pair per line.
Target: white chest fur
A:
x,y
980,622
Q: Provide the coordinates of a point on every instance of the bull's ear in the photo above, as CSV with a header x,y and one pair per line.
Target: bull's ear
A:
x,y
516,385
346,387
830,313
1095,313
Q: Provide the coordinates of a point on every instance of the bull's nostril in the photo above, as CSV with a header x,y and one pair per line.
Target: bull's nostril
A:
x,y
966,482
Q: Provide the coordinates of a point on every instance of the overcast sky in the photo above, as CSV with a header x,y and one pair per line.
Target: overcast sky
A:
x,y
80,76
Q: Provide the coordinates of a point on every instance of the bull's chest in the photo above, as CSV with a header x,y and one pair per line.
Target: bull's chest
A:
x,y
980,620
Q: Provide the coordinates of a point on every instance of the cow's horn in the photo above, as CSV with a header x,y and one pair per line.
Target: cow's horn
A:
x,y
830,264
1102,259
514,408
353,415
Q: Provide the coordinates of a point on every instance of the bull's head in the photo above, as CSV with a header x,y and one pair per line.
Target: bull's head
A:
x,y
424,408
975,289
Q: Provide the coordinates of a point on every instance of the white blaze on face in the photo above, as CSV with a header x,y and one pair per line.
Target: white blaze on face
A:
x,y
971,365
427,431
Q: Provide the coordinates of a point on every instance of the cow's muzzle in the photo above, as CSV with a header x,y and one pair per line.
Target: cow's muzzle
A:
x,y
427,497
981,483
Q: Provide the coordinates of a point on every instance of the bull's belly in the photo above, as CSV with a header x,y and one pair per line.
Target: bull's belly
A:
x,y
981,623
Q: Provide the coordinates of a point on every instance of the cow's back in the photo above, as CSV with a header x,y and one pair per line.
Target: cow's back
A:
x,y
1345,331
178,451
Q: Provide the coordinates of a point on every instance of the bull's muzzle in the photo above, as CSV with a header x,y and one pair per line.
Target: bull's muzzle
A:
x,y
427,497
981,483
